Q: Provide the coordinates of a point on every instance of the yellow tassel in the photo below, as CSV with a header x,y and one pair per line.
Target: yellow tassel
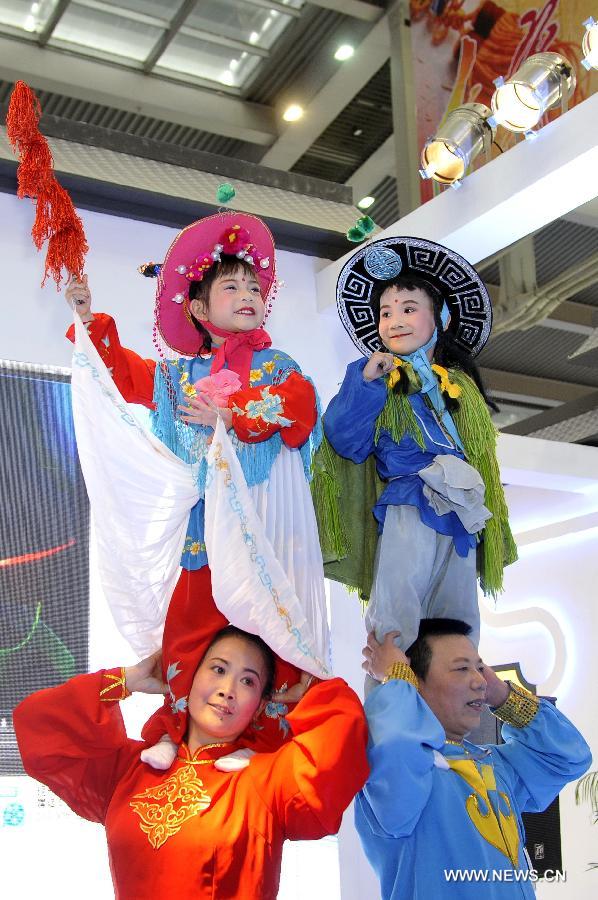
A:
x,y
446,385
395,374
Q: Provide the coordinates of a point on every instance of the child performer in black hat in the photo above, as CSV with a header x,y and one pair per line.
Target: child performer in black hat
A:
x,y
416,405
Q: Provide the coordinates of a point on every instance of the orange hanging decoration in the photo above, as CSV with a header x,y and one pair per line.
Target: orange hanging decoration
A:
x,y
56,220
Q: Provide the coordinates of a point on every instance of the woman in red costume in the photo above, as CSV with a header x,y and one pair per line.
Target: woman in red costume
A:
x,y
198,830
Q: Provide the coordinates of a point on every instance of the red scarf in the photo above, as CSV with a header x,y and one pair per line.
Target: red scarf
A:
x,y
237,349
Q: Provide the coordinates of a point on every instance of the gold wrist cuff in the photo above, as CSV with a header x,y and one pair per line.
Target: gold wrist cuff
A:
x,y
402,671
116,689
519,708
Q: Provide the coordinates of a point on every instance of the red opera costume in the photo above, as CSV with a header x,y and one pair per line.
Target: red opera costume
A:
x,y
194,831
134,377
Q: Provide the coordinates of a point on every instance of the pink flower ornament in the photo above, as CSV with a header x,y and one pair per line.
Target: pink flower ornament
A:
x,y
219,387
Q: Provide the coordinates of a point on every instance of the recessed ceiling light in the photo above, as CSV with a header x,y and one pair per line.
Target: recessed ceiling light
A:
x,y
345,51
227,77
292,113
254,37
358,132
366,202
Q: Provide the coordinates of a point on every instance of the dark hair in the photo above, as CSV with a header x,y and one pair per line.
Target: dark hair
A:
x,y
447,351
267,654
200,290
420,651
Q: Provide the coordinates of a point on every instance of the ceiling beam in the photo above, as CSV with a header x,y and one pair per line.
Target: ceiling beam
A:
x,y
276,6
347,81
53,20
533,389
212,38
373,170
402,89
532,184
571,316
574,421
147,95
122,12
357,9
169,34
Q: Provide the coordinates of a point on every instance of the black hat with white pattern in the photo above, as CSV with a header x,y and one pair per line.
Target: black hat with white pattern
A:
x,y
457,281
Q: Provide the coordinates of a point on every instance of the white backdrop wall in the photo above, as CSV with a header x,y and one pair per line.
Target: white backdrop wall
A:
x,y
557,572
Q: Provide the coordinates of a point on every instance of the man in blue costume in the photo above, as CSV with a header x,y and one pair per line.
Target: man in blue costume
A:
x,y
435,802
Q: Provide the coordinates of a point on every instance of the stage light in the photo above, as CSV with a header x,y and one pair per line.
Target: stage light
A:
x,y
465,132
345,51
589,44
366,202
292,113
541,82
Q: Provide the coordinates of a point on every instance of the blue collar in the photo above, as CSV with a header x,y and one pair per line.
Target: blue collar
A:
x,y
423,369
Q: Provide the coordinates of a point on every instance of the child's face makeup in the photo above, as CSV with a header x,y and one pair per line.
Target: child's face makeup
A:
x,y
406,320
235,303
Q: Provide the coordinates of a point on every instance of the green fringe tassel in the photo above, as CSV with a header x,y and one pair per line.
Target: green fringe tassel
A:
x,y
325,491
398,418
478,434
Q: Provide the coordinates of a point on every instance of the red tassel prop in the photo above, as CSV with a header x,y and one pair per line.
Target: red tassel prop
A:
x,y
22,119
56,220
35,168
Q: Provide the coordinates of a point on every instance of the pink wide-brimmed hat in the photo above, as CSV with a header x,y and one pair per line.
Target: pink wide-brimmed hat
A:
x,y
192,253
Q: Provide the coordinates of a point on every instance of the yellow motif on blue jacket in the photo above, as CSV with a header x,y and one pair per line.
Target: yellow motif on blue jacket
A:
x,y
495,826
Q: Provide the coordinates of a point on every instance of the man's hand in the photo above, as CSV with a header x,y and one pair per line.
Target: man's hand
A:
x,y
378,364
497,690
78,297
200,412
146,676
379,657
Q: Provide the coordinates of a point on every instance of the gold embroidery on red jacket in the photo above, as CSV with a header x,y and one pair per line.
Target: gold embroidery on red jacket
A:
x,y
164,809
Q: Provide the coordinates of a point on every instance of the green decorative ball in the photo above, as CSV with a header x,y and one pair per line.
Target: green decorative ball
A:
x,y
355,235
225,192
366,223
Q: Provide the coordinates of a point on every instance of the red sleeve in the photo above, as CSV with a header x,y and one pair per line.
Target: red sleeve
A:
x,y
316,775
133,375
290,408
73,739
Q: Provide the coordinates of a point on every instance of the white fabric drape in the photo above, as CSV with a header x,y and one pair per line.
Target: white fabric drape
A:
x,y
250,585
141,495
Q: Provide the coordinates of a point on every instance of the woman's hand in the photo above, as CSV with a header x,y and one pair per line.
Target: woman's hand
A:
x,y
146,676
200,412
379,657
78,297
297,691
378,364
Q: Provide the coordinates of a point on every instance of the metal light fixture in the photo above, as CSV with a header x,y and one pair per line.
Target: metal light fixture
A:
x,y
461,137
541,82
589,44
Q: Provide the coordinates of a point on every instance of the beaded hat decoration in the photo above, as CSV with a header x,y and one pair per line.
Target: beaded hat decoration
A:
x,y
193,253
461,287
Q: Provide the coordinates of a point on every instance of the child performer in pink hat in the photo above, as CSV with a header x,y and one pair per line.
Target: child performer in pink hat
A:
x,y
214,289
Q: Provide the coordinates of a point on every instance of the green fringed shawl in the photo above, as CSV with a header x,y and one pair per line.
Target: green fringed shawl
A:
x,y
344,493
